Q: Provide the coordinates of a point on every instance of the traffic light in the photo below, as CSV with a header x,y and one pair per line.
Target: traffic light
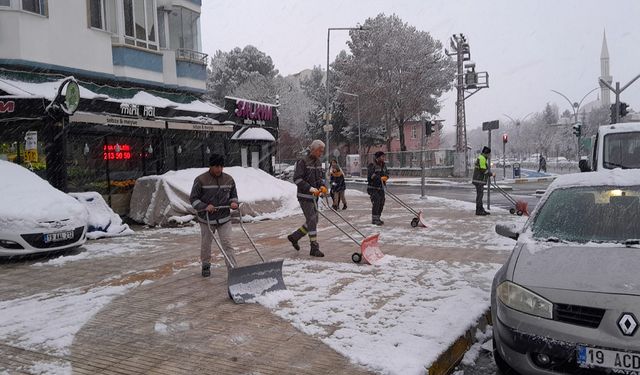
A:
x,y
505,138
623,109
577,129
430,127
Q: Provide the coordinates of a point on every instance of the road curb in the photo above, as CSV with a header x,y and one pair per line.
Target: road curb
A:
x,y
450,358
537,179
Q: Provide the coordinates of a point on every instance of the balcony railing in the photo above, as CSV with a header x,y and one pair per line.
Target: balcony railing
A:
x,y
191,55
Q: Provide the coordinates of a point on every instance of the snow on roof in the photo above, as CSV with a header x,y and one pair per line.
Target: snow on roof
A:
x,y
49,90
253,134
621,127
614,177
251,101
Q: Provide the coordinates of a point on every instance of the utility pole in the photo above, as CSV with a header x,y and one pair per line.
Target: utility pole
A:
x,y
466,79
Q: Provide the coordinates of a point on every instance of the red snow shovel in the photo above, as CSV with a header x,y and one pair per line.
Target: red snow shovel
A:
x,y
369,248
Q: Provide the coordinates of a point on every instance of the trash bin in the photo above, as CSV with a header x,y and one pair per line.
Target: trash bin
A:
x,y
516,170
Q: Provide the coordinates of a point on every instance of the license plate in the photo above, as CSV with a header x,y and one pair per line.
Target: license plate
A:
x,y
611,359
58,236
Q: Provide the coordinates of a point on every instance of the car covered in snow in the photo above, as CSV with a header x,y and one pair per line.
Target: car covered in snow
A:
x,y
568,299
34,216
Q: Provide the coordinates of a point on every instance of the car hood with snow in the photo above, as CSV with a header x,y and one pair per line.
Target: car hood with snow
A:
x,y
605,268
28,201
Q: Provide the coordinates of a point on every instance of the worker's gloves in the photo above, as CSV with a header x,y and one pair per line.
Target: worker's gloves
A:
x,y
384,179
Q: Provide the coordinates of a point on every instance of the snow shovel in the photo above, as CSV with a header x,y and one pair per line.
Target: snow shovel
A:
x,y
418,219
248,282
369,248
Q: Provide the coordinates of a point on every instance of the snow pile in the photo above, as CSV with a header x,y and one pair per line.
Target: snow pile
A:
x,y
155,199
396,318
102,222
26,200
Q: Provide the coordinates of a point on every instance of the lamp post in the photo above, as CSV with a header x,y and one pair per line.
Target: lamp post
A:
x,y
575,106
358,111
327,127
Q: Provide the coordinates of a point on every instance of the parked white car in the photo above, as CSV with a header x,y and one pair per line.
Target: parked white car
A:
x,y
34,216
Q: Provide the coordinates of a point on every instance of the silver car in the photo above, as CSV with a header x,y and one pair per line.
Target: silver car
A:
x,y
568,299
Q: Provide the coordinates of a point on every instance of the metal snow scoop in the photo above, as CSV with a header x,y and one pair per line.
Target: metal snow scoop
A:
x,y
418,219
519,206
369,248
248,282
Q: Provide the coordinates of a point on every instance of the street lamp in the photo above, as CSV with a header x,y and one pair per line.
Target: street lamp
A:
x,y
358,111
327,127
575,106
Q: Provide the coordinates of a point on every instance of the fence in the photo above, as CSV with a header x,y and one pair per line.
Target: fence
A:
x,y
407,163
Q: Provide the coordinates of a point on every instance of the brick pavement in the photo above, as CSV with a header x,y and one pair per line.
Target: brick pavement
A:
x,y
204,331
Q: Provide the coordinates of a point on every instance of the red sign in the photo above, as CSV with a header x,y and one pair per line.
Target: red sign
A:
x,y
116,152
7,107
505,138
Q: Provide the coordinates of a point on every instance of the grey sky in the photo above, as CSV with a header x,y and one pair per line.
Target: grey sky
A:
x,y
528,47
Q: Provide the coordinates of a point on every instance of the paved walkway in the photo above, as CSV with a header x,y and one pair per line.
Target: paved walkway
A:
x,y
135,331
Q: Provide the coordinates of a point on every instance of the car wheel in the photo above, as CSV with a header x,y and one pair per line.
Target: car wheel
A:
x,y
503,367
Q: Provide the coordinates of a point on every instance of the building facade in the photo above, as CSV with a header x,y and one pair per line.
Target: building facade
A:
x,y
141,78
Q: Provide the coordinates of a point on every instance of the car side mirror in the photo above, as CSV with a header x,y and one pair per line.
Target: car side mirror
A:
x,y
508,230
584,166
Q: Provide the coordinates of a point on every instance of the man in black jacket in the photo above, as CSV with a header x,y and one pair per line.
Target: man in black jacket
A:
x,y
308,176
377,176
210,191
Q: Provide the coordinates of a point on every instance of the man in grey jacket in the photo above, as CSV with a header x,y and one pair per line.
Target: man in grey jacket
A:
x,y
214,194
308,176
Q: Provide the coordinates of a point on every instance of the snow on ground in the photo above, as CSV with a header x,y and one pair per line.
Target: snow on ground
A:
x,y
140,241
48,322
102,221
444,232
395,318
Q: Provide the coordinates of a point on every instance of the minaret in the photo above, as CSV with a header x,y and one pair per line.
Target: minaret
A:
x,y
604,73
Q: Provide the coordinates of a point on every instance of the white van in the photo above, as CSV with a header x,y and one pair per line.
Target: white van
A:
x,y
615,146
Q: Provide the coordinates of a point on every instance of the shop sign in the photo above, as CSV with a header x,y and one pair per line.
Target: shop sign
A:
x,y
200,127
134,110
7,106
253,111
115,120
31,146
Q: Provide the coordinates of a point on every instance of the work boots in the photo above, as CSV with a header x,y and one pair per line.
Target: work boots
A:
x,y
206,269
315,250
295,237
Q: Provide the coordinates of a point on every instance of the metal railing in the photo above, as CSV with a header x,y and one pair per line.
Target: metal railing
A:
x,y
411,159
191,55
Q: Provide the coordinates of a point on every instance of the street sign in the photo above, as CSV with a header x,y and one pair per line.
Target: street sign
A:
x,y
490,125
327,128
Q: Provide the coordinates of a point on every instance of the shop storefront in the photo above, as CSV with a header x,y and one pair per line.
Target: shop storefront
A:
x,y
253,142
114,135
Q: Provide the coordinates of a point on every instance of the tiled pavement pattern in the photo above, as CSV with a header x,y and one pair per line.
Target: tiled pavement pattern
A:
x,y
214,336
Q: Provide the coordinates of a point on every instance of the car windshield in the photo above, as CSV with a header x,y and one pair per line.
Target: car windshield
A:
x,y
622,150
583,214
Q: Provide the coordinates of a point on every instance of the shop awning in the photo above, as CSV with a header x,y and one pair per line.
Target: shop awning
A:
x,y
105,99
253,134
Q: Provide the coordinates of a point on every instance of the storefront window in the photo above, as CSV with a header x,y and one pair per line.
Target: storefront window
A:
x,y
5,3
184,28
140,23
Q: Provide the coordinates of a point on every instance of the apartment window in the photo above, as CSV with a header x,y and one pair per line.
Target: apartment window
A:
x,y
35,6
413,132
161,34
184,29
102,14
140,23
